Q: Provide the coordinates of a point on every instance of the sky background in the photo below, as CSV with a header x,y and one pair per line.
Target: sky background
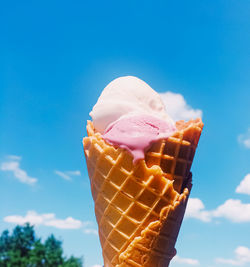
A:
x,y
55,59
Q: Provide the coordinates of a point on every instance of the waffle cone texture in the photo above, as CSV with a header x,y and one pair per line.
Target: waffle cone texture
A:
x,y
139,207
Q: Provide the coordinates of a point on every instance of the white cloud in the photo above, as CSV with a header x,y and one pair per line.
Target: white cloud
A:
x,y
13,165
233,210
47,219
97,265
244,186
67,174
242,256
244,139
188,261
68,223
196,209
178,108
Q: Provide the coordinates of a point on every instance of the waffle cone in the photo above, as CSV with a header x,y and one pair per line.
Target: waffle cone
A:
x,y
139,208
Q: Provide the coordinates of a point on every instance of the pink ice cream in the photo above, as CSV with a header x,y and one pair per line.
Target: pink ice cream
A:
x,y
136,133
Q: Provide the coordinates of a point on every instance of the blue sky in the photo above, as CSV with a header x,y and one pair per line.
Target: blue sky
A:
x,y
55,59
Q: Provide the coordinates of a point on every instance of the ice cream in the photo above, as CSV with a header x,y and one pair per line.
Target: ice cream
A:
x,y
139,204
131,115
136,133
123,96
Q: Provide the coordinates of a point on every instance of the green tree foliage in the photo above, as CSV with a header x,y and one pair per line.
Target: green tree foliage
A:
x,y
23,249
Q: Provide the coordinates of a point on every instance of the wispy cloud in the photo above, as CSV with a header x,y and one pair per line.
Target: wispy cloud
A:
x,y
97,265
244,139
47,219
188,261
67,175
13,165
14,157
89,229
232,209
244,186
178,108
242,257
228,261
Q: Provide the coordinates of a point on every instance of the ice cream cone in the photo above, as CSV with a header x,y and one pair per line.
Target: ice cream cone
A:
x,y
139,207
